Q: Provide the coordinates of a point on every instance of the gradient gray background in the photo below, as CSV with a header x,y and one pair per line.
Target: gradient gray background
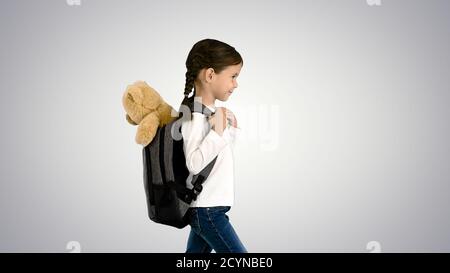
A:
x,y
359,144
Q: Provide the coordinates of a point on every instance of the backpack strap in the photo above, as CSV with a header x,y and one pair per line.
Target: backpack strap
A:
x,y
199,179
200,108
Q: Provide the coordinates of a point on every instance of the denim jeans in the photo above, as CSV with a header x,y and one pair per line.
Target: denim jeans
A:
x,y
211,229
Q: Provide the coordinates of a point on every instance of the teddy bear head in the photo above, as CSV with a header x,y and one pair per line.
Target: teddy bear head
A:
x,y
139,100
147,109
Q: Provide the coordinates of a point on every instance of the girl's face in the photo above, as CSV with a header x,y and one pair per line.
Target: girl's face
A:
x,y
225,82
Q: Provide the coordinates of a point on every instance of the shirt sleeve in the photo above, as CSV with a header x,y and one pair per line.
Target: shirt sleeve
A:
x,y
200,146
230,134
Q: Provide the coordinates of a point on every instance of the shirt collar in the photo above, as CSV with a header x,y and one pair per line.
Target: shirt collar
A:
x,y
212,108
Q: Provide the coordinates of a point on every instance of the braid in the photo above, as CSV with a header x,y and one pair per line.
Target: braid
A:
x,y
193,66
190,78
189,83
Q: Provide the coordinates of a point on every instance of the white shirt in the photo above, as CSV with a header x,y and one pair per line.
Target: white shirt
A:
x,y
201,146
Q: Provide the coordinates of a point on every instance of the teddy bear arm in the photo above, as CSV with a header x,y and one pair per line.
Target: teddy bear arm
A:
x,y
147,129
166,113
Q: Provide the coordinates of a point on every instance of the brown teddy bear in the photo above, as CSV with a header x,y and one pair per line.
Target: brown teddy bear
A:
x,y
147,109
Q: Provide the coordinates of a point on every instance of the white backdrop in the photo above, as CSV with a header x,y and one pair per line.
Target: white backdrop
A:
x,y
344,107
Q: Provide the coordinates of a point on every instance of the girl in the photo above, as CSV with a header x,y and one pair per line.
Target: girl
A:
x,y
212,69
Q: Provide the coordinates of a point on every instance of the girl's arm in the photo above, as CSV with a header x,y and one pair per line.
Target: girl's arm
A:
x,y
231,134
200,148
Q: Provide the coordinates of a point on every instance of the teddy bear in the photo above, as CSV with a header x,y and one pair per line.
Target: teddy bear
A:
x,y
146,108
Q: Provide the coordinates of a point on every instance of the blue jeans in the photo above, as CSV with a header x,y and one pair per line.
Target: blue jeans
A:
x,y
211,229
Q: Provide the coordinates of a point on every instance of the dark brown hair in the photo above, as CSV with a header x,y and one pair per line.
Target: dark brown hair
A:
x,y
207,53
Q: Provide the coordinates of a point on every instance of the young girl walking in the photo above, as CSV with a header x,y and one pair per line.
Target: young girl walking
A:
x,y
212,69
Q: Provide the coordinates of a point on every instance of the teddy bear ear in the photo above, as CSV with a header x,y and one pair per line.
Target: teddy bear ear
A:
x,y
130,120
134,94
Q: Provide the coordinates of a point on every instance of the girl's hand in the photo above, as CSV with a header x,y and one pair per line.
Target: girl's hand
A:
x,y
218,121
231,118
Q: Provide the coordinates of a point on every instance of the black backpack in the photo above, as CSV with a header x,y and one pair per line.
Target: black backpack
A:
x,y
165,172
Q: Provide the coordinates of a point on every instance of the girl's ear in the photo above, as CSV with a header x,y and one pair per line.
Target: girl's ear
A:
x,y
209,74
